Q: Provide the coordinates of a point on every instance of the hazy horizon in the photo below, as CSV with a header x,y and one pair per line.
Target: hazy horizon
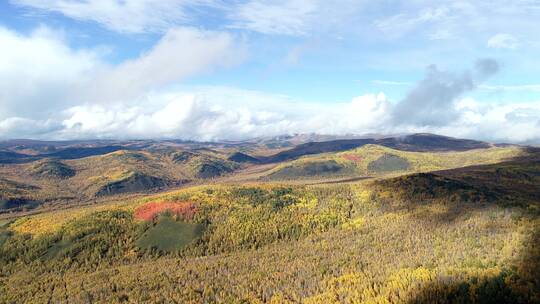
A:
x,y
310,137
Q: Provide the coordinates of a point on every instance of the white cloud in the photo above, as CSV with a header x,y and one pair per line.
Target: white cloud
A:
x,y
206,113
298,17
287,17
432,101
36,70
276,17
17,127
40,74
180,53
516,122
133,16
512,88
392,83
439,20
503,41
462,22
217,113
51,90
403,23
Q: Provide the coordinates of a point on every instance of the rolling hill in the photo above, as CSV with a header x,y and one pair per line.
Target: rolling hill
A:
x,y
50,168
374,160
81,179
416,142
75,172
460,235
15,194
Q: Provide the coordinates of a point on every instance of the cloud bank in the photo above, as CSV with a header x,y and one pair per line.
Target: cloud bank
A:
x,y
221,113
49,90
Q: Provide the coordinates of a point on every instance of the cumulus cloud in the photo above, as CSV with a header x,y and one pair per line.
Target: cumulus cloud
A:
x,y
180,53
221,113
40,74
186,117
134,16
49,90
36,70
207,113
432,101
17,127
130,105
509,122
503,41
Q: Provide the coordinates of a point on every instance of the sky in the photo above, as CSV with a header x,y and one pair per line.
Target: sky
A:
x,y
239,69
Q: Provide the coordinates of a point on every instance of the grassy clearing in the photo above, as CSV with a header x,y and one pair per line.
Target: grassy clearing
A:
x,y
389,163
169,235
52,222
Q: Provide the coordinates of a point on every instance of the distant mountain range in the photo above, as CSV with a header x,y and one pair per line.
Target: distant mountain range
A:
x,y
422,142
291,146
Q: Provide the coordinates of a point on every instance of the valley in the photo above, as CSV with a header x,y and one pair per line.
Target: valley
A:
x,y
76,173
386,221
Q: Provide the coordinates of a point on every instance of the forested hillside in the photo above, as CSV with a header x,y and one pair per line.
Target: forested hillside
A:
x,y
375,161
468,235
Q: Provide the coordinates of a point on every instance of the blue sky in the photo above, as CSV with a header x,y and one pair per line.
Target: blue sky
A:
x,y
213,69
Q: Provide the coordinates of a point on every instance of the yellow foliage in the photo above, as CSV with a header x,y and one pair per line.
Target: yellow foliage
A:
x,y
356,223
52,221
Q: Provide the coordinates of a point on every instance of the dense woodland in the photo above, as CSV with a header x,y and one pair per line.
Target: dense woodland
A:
x,y
421,238
367,225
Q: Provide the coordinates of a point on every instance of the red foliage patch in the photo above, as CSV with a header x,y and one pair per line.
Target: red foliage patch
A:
x,y
149,211
352,157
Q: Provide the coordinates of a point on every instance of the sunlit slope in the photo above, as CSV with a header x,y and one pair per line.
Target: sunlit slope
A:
x,y
374,160
461,235
120,172
117,172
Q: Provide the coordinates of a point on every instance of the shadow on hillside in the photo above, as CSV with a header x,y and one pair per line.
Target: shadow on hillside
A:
x,y
514,183
7,157
519,285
